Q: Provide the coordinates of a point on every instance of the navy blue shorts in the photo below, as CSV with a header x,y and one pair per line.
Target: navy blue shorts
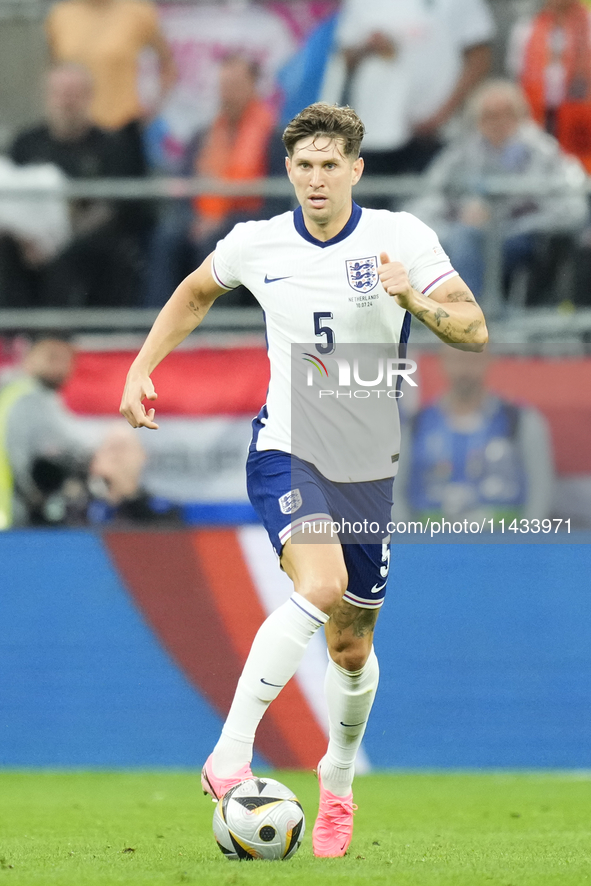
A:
x,y
289,495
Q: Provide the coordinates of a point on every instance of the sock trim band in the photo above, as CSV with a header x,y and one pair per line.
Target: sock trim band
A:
x,y
309,614
309,607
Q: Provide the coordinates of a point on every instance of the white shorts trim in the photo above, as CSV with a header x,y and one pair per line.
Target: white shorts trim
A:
x,y
362,602
296,525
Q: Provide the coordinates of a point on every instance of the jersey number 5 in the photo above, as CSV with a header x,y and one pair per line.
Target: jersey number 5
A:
x,y
328,346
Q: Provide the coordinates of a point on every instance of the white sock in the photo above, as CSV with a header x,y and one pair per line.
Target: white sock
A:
x,y
349,696
273,659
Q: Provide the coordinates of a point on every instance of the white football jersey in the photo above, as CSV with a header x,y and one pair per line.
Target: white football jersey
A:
x,y
329,293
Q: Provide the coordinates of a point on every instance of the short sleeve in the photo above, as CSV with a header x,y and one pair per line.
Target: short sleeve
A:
x,y
471,22
226,262
424,258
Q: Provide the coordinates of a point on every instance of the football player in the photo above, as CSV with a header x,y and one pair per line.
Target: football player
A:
x,y
335,274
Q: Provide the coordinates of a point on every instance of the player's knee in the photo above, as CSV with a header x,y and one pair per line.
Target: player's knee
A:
x,y
351,656
325,592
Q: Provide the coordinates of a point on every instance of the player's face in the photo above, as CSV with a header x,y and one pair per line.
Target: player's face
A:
x,y
323,177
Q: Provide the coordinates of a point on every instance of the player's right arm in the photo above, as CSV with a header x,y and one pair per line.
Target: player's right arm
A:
x,y
181,314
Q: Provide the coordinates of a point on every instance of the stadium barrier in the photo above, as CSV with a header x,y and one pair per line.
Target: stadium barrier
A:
x,y
493,190
122,650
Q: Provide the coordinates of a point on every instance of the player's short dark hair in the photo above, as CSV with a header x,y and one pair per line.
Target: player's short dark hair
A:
x,y
332,121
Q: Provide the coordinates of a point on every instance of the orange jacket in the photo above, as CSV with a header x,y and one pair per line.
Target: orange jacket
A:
x,y
234,154
573,117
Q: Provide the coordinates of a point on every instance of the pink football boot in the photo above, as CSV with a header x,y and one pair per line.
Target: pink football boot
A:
x,y
217,787
334,825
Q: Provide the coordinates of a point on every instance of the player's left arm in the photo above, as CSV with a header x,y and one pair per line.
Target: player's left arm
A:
x,y
450,311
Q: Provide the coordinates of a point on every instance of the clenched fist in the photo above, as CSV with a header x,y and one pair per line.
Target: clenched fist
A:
x,y
395,281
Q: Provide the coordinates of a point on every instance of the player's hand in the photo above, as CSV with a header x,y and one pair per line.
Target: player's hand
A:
x,y
138,388
395,281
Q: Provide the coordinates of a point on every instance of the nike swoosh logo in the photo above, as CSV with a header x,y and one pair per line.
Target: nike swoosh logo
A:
x,y
276,685
275,279
353,724
375,588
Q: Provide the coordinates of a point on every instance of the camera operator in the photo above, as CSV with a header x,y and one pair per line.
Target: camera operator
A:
x,y
42,460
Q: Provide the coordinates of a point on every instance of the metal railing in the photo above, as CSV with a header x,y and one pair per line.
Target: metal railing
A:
x,y
531,323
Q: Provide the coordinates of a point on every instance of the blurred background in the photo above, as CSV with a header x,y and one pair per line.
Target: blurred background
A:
x,y
133,136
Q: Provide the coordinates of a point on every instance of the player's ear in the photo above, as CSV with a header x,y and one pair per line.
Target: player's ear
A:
x,y
288,167
358,169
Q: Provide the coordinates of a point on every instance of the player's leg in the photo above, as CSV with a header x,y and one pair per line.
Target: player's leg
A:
x,y
351,683
320,578
317,570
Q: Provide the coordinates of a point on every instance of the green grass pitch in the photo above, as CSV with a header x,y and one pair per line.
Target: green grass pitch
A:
x,y
494,829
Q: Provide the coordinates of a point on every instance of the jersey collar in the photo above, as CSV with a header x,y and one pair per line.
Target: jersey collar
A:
x,y
354,218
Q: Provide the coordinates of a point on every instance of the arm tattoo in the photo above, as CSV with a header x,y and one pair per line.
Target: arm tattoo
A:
x,y
464,295
194,309
440,315
472,327
450,331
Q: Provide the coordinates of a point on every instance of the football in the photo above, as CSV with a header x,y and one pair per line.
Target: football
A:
x,y
259,818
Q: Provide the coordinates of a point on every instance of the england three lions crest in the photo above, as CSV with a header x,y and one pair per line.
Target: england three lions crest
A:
x,y
362,273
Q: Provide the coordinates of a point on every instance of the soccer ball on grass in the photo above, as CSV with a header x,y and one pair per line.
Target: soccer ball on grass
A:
x,y
259,818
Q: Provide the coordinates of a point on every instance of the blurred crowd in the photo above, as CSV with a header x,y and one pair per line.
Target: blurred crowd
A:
x,y
469,454
446,94
424,75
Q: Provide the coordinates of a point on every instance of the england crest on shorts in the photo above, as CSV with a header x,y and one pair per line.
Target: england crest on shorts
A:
x,y
362,273
290,502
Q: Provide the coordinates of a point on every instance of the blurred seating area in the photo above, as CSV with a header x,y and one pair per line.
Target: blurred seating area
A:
x,y
147,107
134,135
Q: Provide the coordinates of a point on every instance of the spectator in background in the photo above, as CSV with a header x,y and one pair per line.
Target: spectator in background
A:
x,y
115,484
37,226
108,38
48,473
101,265
473,455
40,451
501,139
235,147
550,55
407,68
